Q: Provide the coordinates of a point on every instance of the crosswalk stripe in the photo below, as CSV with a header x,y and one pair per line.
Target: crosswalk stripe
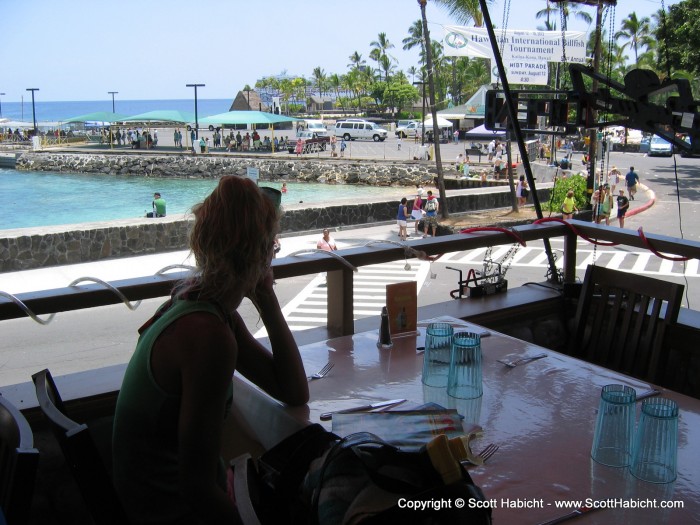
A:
x,y
308,308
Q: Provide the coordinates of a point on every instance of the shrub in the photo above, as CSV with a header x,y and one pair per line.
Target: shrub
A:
x,y
561,187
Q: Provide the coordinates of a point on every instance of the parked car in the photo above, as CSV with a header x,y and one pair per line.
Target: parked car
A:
x,y
317,127
411,129
353,129
659,146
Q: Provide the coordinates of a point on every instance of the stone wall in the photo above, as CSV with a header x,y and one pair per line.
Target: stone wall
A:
x,y
29,248
369,172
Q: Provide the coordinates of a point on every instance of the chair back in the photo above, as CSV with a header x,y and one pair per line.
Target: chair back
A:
x,y
18,464
81,454
622,319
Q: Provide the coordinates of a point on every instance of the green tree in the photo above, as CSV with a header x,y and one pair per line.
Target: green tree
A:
x,y
679,37
320,78
464,11
636,32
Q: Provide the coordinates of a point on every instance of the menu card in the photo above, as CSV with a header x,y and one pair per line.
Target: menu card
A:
x,y
402,304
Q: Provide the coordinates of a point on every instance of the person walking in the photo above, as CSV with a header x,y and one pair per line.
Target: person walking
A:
x,y
326,243
343,145
568,207
623,205
521,191
401,218
431,208
605,205
398,143
632,179
417,210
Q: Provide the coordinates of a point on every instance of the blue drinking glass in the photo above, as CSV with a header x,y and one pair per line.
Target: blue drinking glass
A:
x,y
436,359
655,451
614,429
464,375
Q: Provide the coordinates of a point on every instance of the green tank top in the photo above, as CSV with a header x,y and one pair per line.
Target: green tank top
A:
x,y
144,446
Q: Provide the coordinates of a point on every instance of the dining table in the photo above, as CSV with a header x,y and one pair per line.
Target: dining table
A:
x,y
541,414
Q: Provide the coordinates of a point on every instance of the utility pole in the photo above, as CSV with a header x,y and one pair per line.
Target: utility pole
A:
x,y
444,213
593,132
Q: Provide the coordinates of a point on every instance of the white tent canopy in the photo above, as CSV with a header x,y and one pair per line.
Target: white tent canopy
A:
x,y
442,123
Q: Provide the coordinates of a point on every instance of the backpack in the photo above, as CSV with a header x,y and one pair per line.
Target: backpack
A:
x,y
315,477
431,205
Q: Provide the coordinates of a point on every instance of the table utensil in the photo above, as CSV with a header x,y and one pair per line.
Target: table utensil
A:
x,y
522,360
362,408
436,359
614,428
573,514
464,374
321,373
489,451
654,456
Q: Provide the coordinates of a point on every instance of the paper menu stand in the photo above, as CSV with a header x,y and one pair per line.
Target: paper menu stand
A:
x,y
402,305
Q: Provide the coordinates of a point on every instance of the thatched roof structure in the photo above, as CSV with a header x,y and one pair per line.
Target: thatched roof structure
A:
x,y
247,101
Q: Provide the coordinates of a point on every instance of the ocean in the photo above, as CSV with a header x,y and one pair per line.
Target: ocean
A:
x,y
60,111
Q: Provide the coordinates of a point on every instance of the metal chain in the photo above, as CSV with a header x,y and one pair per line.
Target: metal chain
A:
x,y
504,264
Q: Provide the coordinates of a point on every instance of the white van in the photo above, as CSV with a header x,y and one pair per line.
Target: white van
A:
x,y
360,129
316,126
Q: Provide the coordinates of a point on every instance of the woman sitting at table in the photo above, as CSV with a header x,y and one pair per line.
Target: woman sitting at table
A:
x,y
177,388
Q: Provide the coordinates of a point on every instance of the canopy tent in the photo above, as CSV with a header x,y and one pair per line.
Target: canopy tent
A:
x,y
162,115
481,133
246,117
442,123
98,116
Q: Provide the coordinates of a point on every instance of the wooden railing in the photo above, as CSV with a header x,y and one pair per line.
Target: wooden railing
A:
x,y
340,276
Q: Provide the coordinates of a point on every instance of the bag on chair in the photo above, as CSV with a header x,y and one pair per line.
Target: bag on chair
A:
x,y
362,479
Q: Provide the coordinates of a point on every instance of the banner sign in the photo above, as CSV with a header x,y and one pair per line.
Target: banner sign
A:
x,y
531,72
544,46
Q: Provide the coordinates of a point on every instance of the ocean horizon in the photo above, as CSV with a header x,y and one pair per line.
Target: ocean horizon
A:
x,y
58,111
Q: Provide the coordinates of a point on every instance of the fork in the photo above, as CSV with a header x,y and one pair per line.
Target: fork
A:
x,y
321,373
513,364
489,451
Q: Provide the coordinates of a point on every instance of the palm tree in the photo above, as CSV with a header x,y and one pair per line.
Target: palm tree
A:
x,y
320,78
335,81
415,36
356,61
379,49
412,71
636,31
465,11
564,11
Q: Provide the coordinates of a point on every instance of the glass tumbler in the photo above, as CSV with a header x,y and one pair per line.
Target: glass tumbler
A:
x,y
436,359
655,451
464,376
614,428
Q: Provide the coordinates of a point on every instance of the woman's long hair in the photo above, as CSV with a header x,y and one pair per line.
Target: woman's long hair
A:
x,y
232,239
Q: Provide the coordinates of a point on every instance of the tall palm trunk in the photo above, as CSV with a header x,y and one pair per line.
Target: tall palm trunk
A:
x,y
433,111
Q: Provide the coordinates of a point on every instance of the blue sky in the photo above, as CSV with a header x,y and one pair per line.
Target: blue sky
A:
x,y
149,49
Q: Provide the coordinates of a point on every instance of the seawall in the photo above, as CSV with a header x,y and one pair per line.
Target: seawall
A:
x,y
28,248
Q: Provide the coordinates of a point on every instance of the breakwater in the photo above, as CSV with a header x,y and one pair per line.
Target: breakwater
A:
x,y
29,248
330,171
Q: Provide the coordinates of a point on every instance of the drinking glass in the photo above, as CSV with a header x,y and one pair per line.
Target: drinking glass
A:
x,y
614,428
464,375
436,359
655,451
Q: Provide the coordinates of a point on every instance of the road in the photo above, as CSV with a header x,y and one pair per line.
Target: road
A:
x,y
108,334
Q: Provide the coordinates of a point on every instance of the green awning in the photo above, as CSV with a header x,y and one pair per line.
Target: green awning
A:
x,y
98,116
165,115
246,117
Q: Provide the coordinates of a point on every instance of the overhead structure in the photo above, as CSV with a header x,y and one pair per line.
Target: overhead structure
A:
x,y
249,118
163,115
98,116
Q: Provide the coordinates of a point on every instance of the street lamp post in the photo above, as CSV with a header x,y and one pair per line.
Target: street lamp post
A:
x,y
113,93
196,118
1,94
33,108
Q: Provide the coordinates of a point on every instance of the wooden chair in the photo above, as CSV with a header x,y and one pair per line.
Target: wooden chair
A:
x,y
621,321
81,454
18,464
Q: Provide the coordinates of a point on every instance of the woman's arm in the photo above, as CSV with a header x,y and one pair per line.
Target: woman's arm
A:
x,y
280,372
